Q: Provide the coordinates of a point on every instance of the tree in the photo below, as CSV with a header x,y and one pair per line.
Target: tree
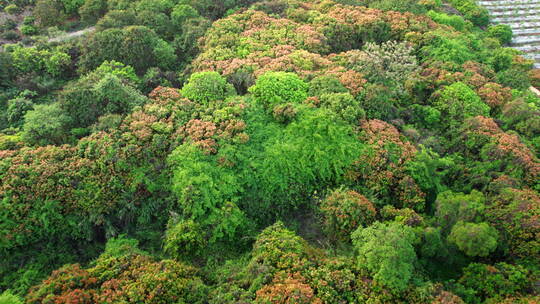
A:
x,y
92,10
8,298
46,124
474,239
100,93
136,46
386,251
344,211
453,207
205,87
16,109
49,12
458,102
481,282
274,88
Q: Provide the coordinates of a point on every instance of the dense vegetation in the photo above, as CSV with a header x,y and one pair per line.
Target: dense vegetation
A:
x,y
277,151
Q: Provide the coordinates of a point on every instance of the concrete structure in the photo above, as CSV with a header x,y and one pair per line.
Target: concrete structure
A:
x,y
523,16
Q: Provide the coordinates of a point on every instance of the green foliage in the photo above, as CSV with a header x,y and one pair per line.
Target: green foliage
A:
x,y
42,61
181,13
71,7
28,30
206,193
453,207
98,94
184,239
8,298
344,105
454,21
12,9
205,87
501,32
46,125
474,239
325,85
16,110
136,46
49,12
458,102
481,282
92,10
472,11
274,88
386,251
312,153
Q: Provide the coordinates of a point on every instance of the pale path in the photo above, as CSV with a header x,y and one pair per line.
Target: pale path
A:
x,y
523,16
72,35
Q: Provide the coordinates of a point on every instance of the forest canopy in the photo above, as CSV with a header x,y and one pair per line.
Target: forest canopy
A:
x,y
275,151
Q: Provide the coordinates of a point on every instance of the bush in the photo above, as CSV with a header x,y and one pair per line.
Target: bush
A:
x,y
205,87
12,9
274,88
472,11
344,211
454,21
501,32
29,30
10,35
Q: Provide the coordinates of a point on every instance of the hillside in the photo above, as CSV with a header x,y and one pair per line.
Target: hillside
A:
x,y
278,151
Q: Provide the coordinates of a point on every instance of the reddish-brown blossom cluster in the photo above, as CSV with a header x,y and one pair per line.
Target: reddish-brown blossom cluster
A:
x,y
381,166
286,289
494,95
481,132
516,213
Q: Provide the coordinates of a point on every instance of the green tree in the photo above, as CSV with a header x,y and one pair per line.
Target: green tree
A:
x,y
8,298
386,251
205,87
474,239
136,46
16,109
92,10
97,94
452,207
274,88
458,102
49,12
46,124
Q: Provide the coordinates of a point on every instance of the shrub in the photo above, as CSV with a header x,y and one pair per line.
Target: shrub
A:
x,y
29,30
205,87
344,211
10,35
11,9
